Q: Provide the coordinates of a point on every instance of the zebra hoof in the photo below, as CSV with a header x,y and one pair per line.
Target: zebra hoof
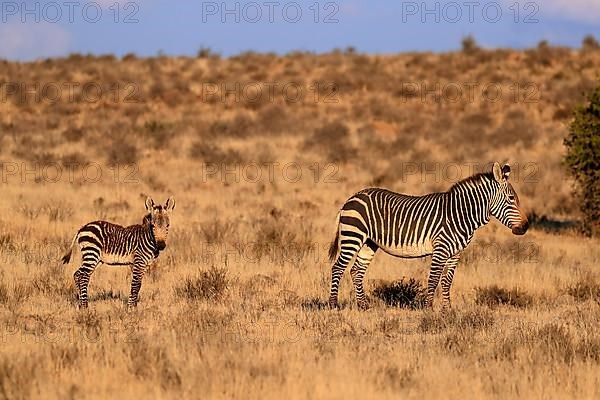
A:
x,y
334,305
363,306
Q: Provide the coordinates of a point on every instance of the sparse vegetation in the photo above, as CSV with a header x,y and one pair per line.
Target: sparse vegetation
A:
x,y
258,325
494,295
586,288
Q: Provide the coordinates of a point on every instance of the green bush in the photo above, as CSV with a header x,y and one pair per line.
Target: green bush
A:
x,y
583,160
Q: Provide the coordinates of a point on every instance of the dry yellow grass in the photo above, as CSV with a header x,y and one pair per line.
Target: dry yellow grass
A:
x,y
235,305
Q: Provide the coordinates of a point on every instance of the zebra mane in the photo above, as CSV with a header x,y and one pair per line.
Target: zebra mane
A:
x,y
477,178
146,219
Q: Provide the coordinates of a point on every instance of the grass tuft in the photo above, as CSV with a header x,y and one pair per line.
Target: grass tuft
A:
x,y
209,285
402,293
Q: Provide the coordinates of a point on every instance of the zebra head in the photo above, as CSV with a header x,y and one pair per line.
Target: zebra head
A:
x,y
505,206
158,219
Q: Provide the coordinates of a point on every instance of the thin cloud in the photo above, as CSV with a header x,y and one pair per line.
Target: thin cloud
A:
x,y
577,10
34,40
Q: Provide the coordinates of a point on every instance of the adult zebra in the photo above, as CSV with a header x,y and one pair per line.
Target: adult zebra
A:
x,y
136,246
436,224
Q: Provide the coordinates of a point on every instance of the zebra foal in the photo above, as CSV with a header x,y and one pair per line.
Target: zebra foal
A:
x,y
436,224
136,246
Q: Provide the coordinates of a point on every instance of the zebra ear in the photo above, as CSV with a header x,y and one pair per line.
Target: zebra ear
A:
x,y
149,204
170,205
506,171
498,175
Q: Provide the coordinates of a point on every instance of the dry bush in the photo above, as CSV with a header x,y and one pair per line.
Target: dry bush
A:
x,y
274,119
73,134
122,153
159,133
216,230
332,140
74,160
493,296
403,293
240,126
210,153
209,285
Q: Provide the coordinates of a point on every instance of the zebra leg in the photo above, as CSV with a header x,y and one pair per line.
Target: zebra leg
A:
x,y
358,270
346,255
138,270
438,261
451,264
90,260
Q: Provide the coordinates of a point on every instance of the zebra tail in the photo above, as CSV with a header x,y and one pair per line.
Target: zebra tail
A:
x,y
67,257
333,248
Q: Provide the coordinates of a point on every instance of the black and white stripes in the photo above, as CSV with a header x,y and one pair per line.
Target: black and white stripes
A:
x,y
437,224
136,246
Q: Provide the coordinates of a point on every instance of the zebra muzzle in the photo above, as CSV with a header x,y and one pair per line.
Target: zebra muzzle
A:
x,y
161,244
520,229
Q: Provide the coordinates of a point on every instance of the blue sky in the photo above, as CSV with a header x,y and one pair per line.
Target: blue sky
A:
x,y
39,29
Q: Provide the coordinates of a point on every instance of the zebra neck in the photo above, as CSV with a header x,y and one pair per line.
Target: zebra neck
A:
x,y
470,208
152,241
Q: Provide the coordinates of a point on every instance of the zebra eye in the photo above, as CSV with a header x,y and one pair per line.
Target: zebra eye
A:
x,y
511,197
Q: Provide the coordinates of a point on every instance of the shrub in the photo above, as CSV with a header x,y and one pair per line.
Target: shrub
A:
x,y
74,160
212,154
206,52
274,119
210,285
333,138
122,154
239,126
583,160
216,230
401,293
469,45
590,43
494,295
73,134
159,132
